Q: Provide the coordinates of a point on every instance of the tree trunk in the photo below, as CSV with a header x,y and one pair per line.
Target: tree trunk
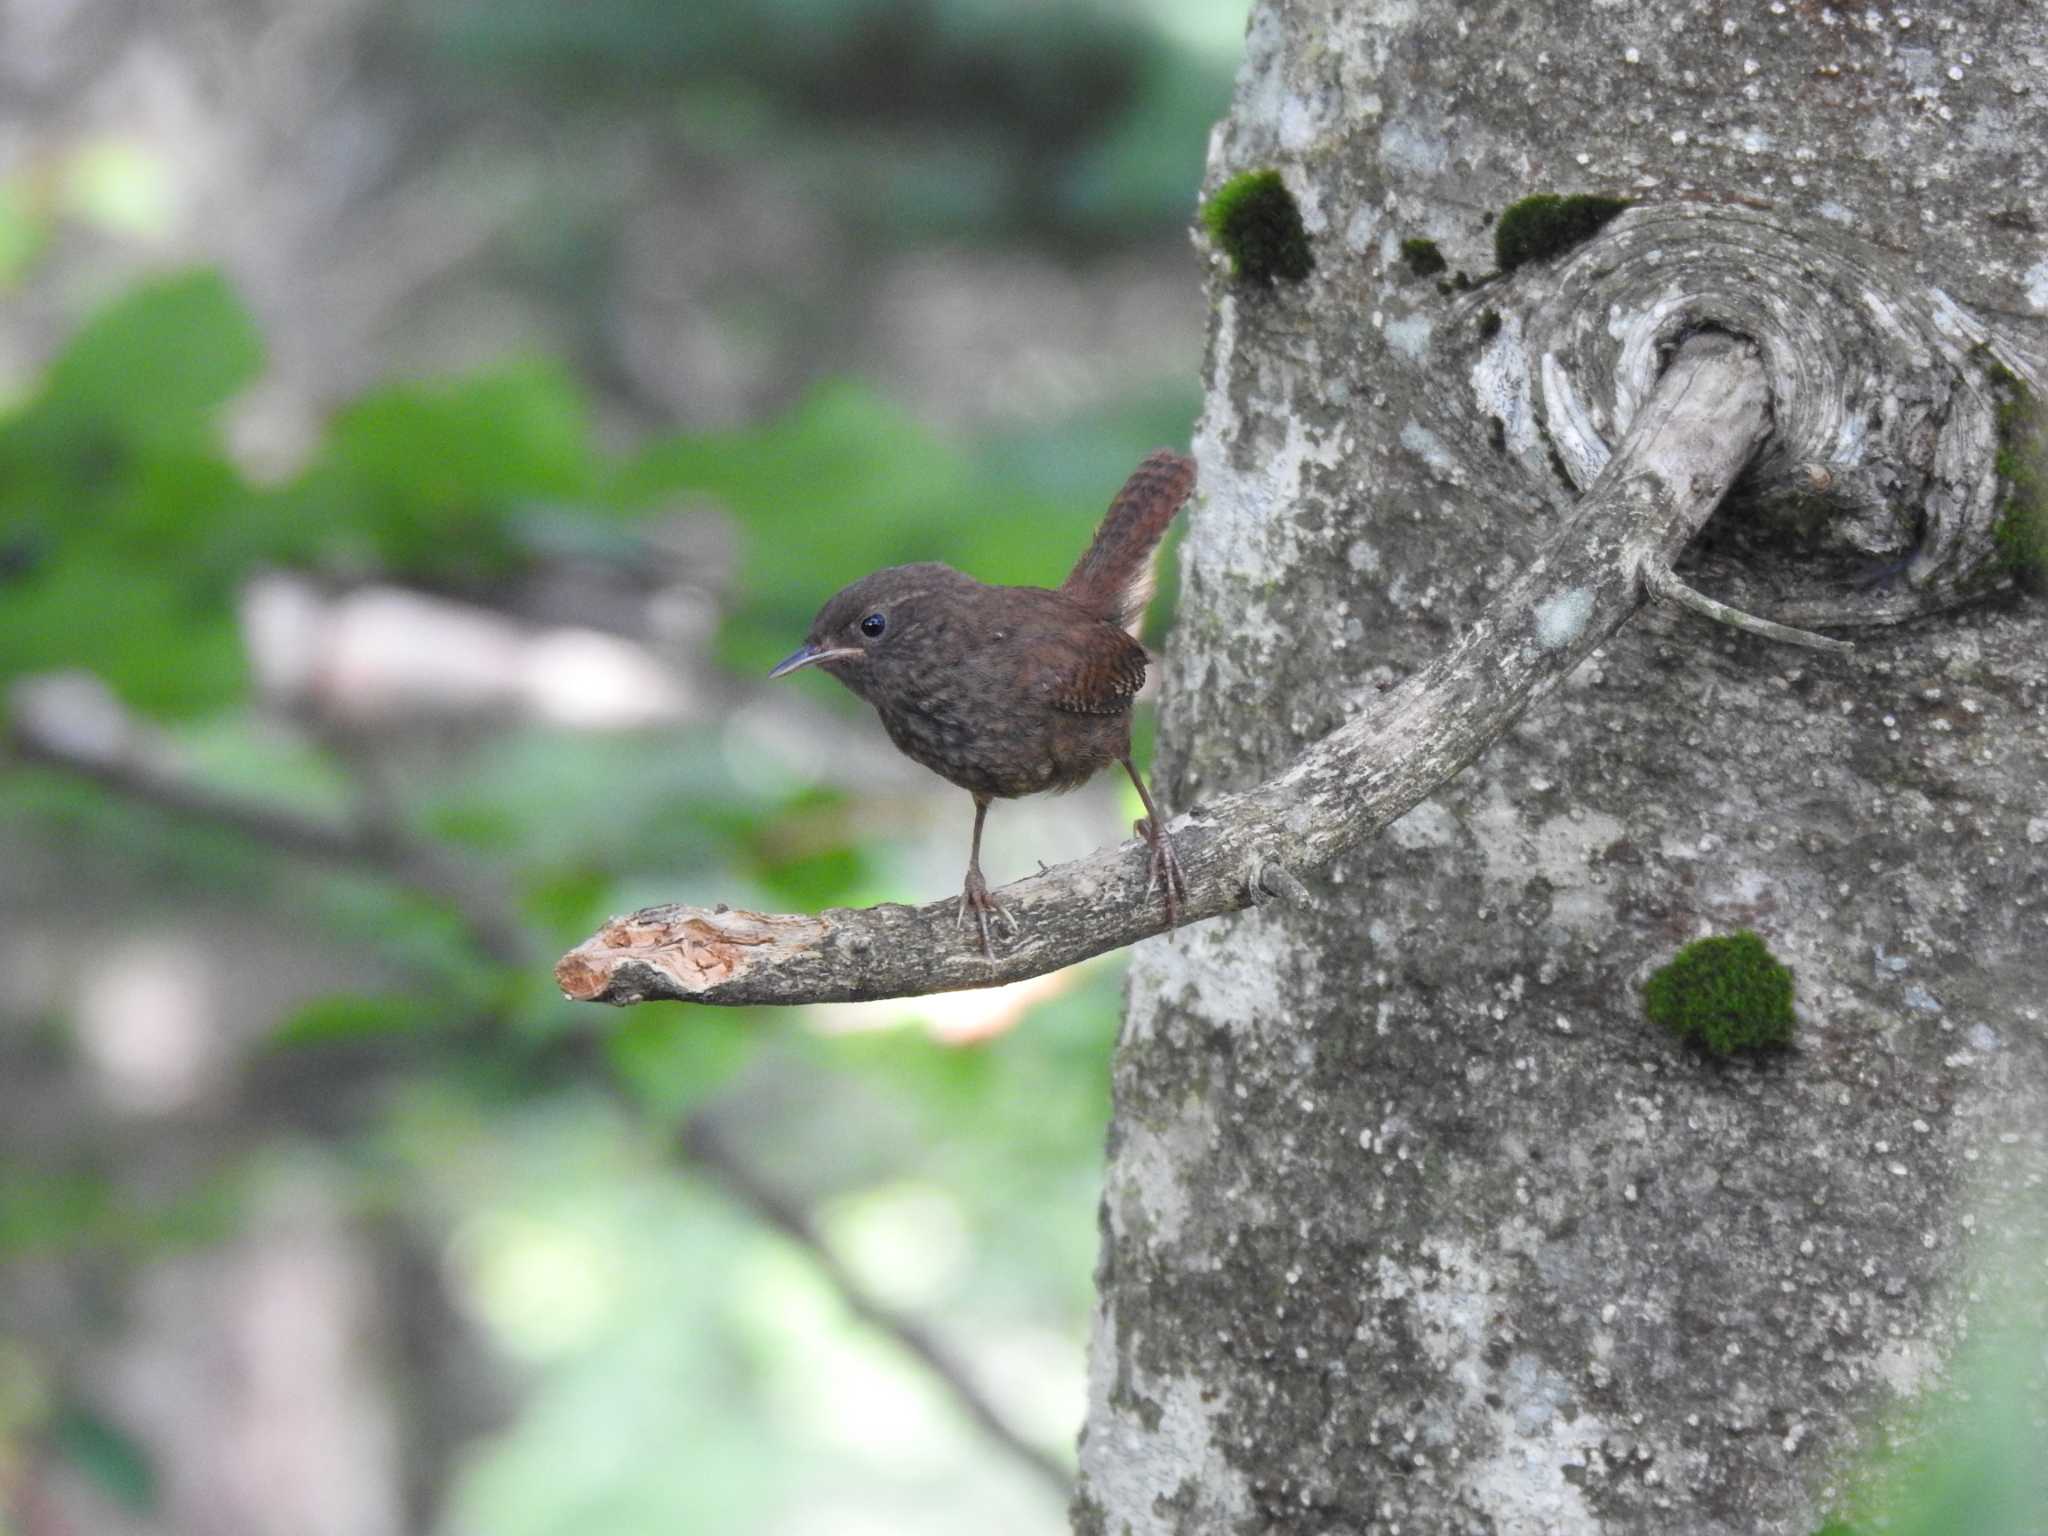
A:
x,y
1412,1220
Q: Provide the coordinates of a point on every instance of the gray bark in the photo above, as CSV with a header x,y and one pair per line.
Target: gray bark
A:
x,y
1411,1220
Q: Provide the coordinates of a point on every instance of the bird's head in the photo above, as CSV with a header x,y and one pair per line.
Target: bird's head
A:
x,y
861,626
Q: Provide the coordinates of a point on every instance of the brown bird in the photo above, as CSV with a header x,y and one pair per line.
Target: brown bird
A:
x,y
1008,691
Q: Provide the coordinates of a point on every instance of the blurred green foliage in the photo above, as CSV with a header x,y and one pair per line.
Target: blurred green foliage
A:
x,y
1967,1458
127,530
117,498
678,1365
22,231
108,1456
961,1183
917,118
82,1208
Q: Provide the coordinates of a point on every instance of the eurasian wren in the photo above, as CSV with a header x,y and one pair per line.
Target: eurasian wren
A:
x,y
1008,691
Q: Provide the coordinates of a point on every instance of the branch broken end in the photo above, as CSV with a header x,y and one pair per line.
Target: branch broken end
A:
x,y
678,952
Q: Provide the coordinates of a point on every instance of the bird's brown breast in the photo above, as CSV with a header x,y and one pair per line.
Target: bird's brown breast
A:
x,y
1008,691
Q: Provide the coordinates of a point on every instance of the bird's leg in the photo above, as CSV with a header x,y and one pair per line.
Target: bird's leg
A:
x,y
1163,868
974,895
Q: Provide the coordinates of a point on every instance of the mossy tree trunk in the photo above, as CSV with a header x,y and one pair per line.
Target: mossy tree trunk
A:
x,y
1412,1220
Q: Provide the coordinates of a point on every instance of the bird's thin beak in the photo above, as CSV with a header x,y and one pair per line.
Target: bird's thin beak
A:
x,y
808,655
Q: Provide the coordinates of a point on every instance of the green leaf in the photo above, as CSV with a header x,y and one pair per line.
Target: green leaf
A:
x,y
24,230
115,501
161,646
347,1016
154,366
107,1455
556,797
41,1212
431,480
843,483
568,902
847,482
674,1058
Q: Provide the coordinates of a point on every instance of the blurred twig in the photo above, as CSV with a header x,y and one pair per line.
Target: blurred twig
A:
x,y
701,1142
73,724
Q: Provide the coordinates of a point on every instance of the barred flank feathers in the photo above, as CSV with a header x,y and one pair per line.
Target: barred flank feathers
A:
x,y
1114,578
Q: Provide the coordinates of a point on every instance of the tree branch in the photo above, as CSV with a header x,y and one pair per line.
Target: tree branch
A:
x,y
1661,581
1707,417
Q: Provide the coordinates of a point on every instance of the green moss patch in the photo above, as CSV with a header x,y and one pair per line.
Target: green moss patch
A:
x,y
1255,220
1724,995
2021,532
1422,256
1542,226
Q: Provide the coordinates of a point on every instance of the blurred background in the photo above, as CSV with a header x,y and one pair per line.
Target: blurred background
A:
x,y
421,425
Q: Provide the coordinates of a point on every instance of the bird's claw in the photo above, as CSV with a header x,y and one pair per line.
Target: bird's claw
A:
x,y
1162,869
976,898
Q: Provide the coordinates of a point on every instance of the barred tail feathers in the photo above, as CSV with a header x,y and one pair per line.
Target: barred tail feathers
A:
x,y
1114,578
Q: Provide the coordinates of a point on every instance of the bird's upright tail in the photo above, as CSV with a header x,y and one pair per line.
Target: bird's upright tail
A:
x,y
1114,577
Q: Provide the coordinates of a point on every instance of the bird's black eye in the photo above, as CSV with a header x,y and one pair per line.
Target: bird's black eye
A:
x,y
873,625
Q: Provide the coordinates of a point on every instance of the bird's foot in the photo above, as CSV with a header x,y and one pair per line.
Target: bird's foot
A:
x,y
976,898
1162,869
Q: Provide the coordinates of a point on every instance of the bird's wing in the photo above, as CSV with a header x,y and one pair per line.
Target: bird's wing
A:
x,y
1095,670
